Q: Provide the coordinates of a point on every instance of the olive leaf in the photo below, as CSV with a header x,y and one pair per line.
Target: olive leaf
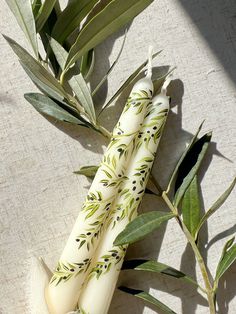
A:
x,y
88,171
36,5
220,201
111,68
191,208
190,165
157,267
115,15
227,258
179,163
43,13
87,64
142,226
47,106
71,18
23,13
77,82
148,298
129,80
37,72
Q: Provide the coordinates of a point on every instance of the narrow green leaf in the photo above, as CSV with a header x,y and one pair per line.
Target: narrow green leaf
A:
x,y
115,15
142,226
60,53
36,71
23,13
173,176
148,298
36,5
82,92
88,171
87,63
44,13
111,68
47,106
190,165
130,80
157,267
191,208
228,257
218,203
71,18
77,82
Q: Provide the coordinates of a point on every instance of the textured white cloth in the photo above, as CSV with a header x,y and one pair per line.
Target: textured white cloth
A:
x,y
40,195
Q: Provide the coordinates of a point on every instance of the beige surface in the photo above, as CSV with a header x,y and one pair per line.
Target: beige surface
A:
x,y
40,196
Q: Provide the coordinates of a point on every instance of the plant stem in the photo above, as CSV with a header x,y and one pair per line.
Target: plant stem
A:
x,y
103,131
209,289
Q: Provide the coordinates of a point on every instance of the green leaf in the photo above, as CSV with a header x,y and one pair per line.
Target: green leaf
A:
x,y
60,53
173,176
23,13
189,166
141,226
71,18
88,171
77,82
191,208
37,72
130,80
82,92
111,68
46,105
87,63
44,13
148,298
115,15
228,257
36,5
218,203
157,267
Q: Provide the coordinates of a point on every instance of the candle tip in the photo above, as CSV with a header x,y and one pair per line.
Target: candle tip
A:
x,y
149,65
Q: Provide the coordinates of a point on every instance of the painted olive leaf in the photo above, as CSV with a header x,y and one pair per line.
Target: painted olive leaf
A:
x,y
157,267
71,18
37,71
190,165
129,81
23,13
43,14
179,163
111,68
77,82
218,203
115,15
87,64
87,171
47,106
148,298
141,226
191,207
228,257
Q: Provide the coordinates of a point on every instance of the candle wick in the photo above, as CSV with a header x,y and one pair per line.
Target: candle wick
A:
x,y
166,84
149,65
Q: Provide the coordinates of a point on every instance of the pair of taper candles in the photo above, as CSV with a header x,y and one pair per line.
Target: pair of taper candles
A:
x,y
88,269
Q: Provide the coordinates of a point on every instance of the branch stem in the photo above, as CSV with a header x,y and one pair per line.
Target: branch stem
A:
x,y
208,286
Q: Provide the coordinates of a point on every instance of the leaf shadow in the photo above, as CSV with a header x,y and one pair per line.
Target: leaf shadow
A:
x,y
227,290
